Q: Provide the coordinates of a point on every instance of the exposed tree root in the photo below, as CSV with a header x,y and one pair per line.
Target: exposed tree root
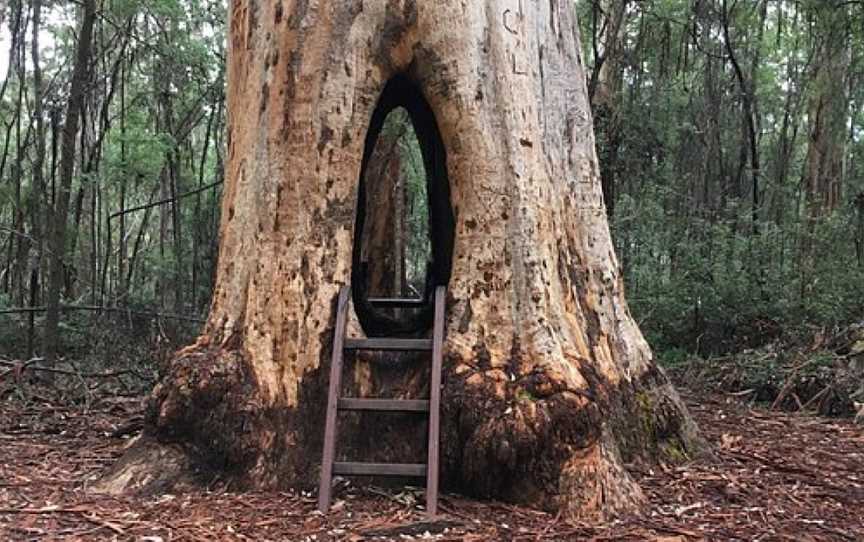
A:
x,y
149,468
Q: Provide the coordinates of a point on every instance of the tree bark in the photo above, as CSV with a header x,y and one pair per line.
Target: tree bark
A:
x,y
859,235
605,94
19,263
380,251
828,110
38,190
749,107
827,114
80,74
550,387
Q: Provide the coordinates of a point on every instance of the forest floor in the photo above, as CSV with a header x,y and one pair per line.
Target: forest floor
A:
x,y
772,476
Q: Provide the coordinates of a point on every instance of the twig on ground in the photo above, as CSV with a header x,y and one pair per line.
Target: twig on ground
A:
x,y
112,374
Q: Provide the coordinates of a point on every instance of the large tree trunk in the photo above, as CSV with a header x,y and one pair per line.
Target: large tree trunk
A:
x,y
549,385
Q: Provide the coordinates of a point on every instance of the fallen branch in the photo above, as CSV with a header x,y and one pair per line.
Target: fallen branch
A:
x,y
45,510
817,397
18,366
165,201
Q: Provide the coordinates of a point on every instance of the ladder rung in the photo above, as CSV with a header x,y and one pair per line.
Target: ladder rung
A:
x,y
396,303
384,405
388,344
379,469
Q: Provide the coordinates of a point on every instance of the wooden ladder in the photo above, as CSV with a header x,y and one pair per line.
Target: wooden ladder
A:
x,y
335,403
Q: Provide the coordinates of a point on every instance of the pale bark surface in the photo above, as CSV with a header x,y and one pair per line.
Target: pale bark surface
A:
x,y
549,384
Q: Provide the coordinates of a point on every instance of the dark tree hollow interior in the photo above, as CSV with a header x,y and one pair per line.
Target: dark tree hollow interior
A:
x,y
376,318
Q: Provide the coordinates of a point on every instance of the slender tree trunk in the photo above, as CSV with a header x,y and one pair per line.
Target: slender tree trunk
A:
x,y
787,142
70,270
139,238
550,388
179,281
827,115
14,55
36,214
398,221
81,255
750,110
606,87
196,232
14,30
18,288
381,254
828,110
123,250
80,75
859,236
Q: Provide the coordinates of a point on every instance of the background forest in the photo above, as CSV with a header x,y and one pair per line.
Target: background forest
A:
x,y
729,133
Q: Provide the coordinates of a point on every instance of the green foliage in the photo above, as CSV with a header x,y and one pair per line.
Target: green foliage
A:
x,y
704,271
153,130
145,152
709,269
718,289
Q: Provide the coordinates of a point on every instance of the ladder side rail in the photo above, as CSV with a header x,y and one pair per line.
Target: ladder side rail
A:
x,y
435,403
335,389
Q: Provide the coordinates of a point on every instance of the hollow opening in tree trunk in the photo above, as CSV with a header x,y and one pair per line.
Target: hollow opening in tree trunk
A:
x,y
403,235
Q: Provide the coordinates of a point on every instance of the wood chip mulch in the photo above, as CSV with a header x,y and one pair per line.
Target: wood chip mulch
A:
x,y
772,476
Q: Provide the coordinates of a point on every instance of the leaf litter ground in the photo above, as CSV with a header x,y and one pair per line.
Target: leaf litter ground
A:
x,y
771,476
